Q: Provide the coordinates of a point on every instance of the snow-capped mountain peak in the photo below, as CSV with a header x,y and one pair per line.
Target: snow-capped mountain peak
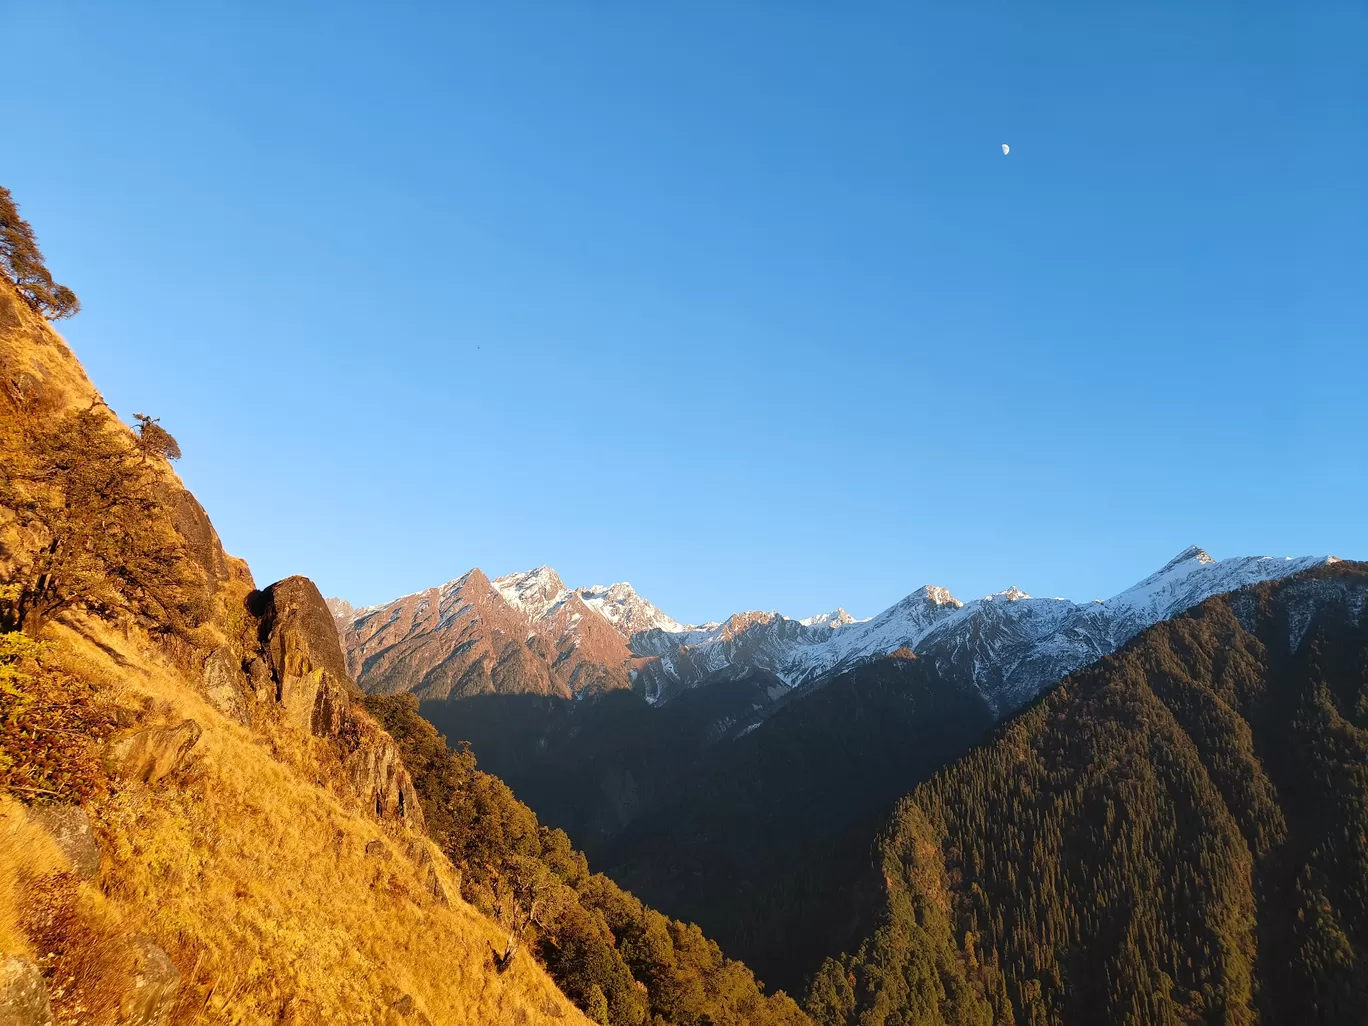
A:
x,y
533,592
838,617
1009,644
626,610
1189,554
931,595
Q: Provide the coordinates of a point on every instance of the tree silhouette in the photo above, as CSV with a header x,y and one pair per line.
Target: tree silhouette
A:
x,y
155,440
22,262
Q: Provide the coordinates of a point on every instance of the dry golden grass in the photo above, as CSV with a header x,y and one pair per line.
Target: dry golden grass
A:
x,y
250,870
25,853
255,878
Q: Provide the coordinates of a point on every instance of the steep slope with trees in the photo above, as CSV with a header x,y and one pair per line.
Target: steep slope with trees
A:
x,y
1175,834
624,963
198,820
764,840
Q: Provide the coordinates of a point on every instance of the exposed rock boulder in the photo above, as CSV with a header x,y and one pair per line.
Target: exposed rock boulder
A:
x,y
153,988
154,753
69,828
201,540
23,994
317,695
377,775
305,656
260,682
434,887
224,684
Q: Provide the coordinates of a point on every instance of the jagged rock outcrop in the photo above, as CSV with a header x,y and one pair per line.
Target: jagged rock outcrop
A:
x,y
300,643
303,655
376,772
69,828
23,994
154,753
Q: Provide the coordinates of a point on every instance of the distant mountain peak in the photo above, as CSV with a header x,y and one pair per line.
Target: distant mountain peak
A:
x,y
623,607
935,595
838,617
1192,552
534,592
1012,594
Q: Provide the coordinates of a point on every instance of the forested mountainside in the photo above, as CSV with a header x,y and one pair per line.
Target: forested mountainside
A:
x,y
200,821
1176,834
661,784
764,840
622,961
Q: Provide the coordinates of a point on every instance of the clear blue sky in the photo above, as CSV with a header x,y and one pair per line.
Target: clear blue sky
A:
x,y
740,302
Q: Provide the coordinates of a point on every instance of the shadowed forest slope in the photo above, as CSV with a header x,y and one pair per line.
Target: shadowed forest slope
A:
x,y
765,840
1176,834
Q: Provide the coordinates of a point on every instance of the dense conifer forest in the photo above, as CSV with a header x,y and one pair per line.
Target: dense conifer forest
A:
x,y
1176,834
765,840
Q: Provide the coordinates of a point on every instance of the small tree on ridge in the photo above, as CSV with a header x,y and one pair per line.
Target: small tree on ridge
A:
x,y
22,262
155,440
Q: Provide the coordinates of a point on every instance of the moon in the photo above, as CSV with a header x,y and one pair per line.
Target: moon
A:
x,y
1006,149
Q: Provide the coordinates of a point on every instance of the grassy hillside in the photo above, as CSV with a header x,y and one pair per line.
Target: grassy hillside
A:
x,y
249,862
1175,835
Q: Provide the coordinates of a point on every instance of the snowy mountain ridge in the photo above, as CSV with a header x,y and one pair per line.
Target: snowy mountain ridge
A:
x,y
1009,644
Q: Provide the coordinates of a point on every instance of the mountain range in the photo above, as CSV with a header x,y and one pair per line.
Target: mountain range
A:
x,y
638,735
530,633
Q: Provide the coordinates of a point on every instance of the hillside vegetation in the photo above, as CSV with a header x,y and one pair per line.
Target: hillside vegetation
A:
x,y
1176,834
182,840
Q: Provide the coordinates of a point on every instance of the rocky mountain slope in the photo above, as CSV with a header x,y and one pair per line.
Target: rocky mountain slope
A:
x,y
521,634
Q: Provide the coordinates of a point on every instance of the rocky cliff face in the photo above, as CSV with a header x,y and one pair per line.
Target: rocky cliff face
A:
x,y
313,691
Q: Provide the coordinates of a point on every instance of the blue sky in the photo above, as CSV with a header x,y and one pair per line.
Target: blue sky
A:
x,y
740,302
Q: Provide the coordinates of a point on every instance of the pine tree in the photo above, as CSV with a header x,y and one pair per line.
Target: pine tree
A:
x,y
22,262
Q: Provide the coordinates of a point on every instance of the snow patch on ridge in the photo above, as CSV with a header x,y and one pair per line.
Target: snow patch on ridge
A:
x,y
537,593
626,610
